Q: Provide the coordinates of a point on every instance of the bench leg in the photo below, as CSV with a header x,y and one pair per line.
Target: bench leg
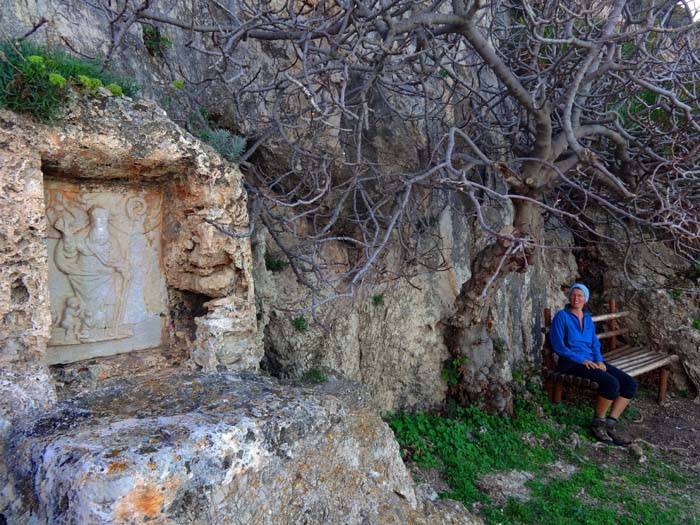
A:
x,y
558,388
663,384
549,388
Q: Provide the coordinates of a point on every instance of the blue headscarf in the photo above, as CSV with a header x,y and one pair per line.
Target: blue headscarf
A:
x,y
581,287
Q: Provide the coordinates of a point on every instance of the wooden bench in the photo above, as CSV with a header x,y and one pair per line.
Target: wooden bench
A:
x,y
633,360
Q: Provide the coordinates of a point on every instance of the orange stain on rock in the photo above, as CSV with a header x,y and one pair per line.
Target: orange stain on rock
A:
x,y
146,500
117,466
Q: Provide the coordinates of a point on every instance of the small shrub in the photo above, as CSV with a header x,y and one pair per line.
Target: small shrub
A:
x,y
499,345
696,324
57,80
178,84
26,85
90,83
228,145
315,376
378,300
155,43
453,368
693,273
301,324
273,264
675,294
425,223
116,89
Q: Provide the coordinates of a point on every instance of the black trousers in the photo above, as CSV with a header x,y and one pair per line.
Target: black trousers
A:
x,y
612,383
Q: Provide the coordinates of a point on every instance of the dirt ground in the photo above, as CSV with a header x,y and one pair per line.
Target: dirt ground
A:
x,y
672,428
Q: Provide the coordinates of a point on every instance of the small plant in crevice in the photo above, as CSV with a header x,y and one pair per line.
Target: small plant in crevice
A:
x,y
696,324
229,146
90,84
693,273
154,41
675,294
424,223
273,264
378,299
453,369
314,376
300,323
499,345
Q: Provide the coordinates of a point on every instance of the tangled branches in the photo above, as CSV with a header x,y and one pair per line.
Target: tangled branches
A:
x,y
390,110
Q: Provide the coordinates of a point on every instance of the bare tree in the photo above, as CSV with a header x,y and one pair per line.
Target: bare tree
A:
x,y
574,106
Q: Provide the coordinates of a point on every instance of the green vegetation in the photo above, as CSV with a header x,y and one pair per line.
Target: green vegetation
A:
x,y
693,272
314,376
499,345
452,369
676,294
300,323
154,41
36,79
229,146
471,443
378,300
203,125
424,223
115,89
696,324
273,264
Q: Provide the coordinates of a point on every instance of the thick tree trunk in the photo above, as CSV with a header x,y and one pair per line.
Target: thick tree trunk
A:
x,y
471,335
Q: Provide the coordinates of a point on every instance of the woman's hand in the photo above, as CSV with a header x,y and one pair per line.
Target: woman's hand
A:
x,y
601,366
590,364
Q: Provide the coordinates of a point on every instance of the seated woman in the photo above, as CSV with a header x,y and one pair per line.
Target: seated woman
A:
x,y
574,340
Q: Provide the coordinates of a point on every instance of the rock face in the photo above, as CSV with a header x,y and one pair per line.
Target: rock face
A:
x,y
392,337
24,315
213,448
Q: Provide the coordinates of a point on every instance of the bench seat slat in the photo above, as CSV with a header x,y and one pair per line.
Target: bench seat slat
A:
x,y
651,366
624,352
631,357
643,360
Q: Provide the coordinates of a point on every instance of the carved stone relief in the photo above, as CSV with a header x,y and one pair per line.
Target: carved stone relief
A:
x,y
105,278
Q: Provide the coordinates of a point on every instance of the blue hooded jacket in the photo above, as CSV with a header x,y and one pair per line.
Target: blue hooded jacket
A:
x,y
570,341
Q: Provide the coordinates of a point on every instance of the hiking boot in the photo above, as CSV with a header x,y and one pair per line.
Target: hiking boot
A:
x,y
618,436
599,429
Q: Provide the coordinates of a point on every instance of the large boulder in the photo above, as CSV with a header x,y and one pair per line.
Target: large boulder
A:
x,y
213,448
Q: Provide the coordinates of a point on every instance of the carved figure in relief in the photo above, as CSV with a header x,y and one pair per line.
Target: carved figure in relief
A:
x,y
71,321
92,259
96,270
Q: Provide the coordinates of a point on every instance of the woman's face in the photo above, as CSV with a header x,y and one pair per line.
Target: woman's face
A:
x,y
577,299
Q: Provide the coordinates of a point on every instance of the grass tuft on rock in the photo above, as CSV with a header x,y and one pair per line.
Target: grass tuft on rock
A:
x,y
36,79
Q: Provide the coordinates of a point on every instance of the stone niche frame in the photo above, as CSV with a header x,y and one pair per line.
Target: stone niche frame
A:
x,y
72,175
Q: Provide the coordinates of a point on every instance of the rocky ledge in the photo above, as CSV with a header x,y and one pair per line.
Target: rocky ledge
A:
x,y
192,448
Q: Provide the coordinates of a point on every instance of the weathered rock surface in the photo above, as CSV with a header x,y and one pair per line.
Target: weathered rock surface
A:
x,y
396,346
213,448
